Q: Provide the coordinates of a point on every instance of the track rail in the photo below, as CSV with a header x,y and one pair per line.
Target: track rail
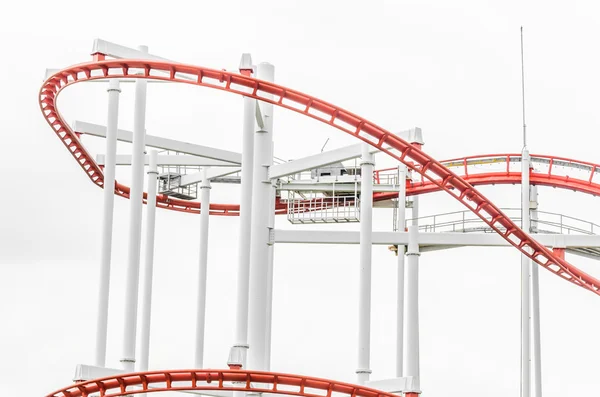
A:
x,y
352,124
209,379
553,171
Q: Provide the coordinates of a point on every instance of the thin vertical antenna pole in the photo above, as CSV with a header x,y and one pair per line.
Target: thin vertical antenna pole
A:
x,y
523,90
534,316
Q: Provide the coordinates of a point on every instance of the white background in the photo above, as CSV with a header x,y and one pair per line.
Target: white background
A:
x,y
451,68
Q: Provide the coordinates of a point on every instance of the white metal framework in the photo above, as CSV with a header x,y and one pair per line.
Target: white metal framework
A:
x,y
338,186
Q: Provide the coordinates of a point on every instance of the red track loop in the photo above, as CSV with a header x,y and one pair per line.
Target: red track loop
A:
x,y
354,125
237,380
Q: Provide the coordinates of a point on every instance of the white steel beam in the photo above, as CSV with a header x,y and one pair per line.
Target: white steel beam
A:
x,y
118,51
333,156
161,143
196,177
571,241
163,160
316,161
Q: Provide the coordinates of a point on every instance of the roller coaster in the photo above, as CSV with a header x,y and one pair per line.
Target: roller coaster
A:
x,y
322,188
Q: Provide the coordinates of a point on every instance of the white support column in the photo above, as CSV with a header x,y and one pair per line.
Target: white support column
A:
x,y
107,221
535,302
525,276
416,177
240,346
363,371
135,224
411,366
270,283
259,250
533,207
146,303
400,225
202,270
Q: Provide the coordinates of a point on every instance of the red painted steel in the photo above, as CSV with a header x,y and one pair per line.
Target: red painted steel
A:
x,y
212,379
415,159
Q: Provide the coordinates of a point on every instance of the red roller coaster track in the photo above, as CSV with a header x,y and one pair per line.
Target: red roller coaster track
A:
x,y
234,380
415,159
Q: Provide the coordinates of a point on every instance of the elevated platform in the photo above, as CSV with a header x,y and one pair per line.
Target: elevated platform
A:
x,y
546,223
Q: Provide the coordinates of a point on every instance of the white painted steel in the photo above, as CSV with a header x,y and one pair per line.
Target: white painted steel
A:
x,y
535,306
400,225
259,250
196,177
163,160
107,223
270,270
243,272
202,270
119,51
394,385
317,160
364,292
161,143
411,366
146,303
525,281
135,225
334,156
428,239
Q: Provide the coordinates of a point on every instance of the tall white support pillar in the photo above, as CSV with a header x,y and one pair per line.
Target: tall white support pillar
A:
x,y
411,366
270,283
525,280
135,224
259,249
107,221
146,303
400,225
535,302
363,371
240,346
202,269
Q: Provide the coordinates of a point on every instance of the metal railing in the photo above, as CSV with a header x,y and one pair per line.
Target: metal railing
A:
x,y
466,221
311,208
176,169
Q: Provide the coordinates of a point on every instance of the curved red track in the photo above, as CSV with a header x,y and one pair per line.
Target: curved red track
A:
x,y
504,175
415,159
211,379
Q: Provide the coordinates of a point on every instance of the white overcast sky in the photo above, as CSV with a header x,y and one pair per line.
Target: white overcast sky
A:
x,y
451,68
